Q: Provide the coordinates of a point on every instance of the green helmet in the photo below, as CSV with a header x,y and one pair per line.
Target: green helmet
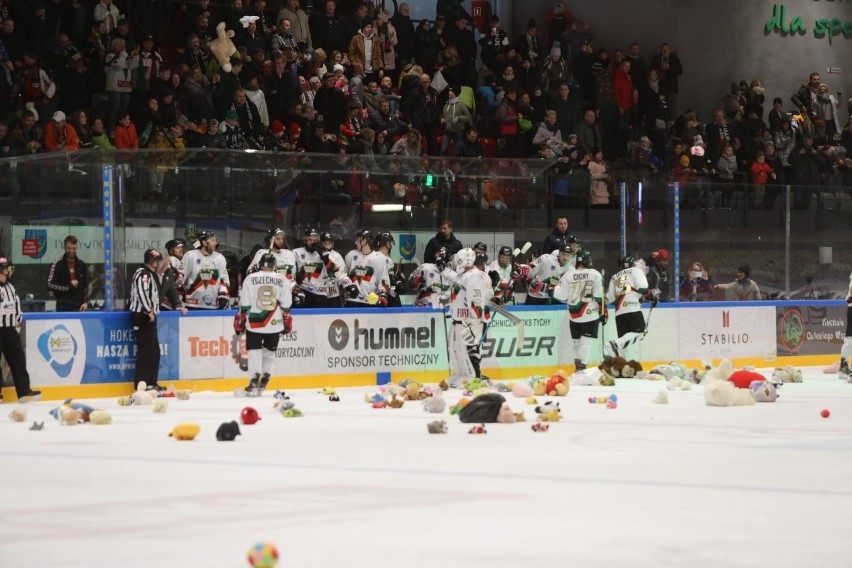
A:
x,y
584,257
626,261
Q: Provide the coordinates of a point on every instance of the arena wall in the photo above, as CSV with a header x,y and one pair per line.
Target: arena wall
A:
x,y
93,354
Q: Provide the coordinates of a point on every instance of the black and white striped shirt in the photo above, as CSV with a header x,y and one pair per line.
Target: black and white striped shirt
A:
x,y
10,306
144,292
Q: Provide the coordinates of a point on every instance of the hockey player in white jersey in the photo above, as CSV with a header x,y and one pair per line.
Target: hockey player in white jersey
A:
x,y
205,276
469,311
370,275
176,249
627,288
383,245
355,254
544,274
845,372
335,274
309,271
433,281
285,260
264,315
582,291
501,272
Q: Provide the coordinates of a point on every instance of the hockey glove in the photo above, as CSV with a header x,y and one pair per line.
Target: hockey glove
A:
x,y
240,322
495,278
399,287
352,291
222,302
654,297
326,259
383,301
288,325
497,300
604,319
299,299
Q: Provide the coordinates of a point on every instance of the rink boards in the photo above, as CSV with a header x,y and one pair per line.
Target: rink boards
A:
x,y
93,354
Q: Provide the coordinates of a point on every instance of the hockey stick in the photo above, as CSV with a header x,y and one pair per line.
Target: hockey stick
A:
x,y
446,333
519,323
603,301
647,323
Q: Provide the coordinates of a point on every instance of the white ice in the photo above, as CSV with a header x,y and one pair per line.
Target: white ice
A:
x,y
681,484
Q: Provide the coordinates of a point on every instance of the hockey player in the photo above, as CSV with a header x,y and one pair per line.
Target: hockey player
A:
x,y
369,273
264,315
468,309
627,288
335,272
205,276
501,272
433,281
582,291
544,274
353,255
285,260
383,245
845,372
176,249
309,271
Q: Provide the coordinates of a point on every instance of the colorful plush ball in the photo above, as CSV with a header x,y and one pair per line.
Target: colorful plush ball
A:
x,y
613,398
592,400
601,400
263,555
611,404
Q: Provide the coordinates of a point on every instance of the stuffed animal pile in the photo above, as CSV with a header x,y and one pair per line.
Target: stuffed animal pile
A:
x,y
720,391
618,367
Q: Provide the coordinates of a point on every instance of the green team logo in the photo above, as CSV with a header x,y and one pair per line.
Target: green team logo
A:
x,y
791,330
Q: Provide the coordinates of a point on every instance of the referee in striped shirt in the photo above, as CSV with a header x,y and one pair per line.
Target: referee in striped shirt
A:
x,y
10,339
145,305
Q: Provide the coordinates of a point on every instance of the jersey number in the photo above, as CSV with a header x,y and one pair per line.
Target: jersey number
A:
x,y
266,299
581,292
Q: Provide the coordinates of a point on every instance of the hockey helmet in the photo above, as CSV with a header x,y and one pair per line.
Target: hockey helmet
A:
x,y
504,251
584,257
5,263
367,237
465,258
326,236
267,260
175,243
311,232
626,261
480,247
481,260
206,236
152,256
383,239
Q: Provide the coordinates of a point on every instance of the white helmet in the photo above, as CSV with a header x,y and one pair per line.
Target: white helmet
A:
x,y
465,258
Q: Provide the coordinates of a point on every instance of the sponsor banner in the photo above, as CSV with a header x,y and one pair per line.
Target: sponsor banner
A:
x,y
413,244
32,244
810,329
730,331
92,350
345,342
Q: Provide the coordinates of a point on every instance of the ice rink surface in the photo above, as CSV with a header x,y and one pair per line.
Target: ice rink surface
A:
x,y
347,485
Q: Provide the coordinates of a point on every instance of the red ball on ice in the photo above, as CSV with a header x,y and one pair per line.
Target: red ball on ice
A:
x,y
825,413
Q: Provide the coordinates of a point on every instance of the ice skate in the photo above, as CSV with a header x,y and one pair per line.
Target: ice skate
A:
x,y
613,348
264,381
579,366
844,373
253,387
30,395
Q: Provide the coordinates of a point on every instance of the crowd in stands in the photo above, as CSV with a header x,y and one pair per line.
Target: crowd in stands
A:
x,y
351,77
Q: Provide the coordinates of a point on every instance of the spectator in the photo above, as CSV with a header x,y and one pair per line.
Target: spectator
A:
x,y
118,81
107,12
427,44
36,86
299,21
557,22
558,237
456,119
327,28
696,285
469,147
99,137
743,288
125,134
80,122
330,103
668,63
776,115
785,141
554,72
401,20
528,44
773,186
805,98
59,136
10,339
549,134
409,145
807,163
828,119
726,167
443,239
365,48
68,279
657,264
600,178
28,136
761,173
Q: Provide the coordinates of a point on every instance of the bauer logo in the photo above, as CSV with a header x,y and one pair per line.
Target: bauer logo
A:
x,y
338,335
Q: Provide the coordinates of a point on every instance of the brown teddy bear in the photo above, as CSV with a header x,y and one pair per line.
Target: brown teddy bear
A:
x,y
558,384
222,47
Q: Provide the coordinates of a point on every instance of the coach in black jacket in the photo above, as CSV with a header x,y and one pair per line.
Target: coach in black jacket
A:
x,y
68,279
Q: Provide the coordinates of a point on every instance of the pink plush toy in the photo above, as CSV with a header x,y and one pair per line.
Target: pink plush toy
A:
x,y
506,416
521,390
